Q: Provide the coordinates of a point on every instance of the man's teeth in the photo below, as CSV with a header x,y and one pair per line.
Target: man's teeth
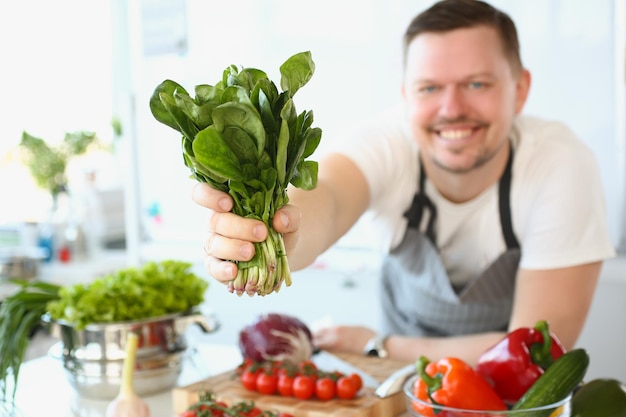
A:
x,y
455,134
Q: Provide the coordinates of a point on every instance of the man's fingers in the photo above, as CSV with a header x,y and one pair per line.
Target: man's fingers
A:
x,y
205,195
236,227
221,247
222,271
287,219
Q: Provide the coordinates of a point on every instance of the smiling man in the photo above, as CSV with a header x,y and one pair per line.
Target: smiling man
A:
x,y
490,220
461,96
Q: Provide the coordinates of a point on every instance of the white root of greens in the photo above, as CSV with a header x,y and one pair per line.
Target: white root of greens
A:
x,y
269,274
127,403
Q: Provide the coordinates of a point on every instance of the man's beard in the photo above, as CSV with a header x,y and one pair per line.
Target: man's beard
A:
x,y
480,160
483,155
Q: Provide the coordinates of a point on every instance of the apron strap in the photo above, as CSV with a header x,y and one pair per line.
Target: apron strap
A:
x,y
504,191
421,202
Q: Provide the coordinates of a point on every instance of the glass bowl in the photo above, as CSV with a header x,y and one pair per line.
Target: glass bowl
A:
x,y
419,408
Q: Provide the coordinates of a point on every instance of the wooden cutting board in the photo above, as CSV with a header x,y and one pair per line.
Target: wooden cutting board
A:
x,y
228,388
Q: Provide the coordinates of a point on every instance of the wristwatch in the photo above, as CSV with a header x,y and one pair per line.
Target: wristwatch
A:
x,y
376,347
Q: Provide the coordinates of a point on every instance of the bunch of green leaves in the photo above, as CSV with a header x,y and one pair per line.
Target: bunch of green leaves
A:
x,y
243,136
47,164
20,314
155,289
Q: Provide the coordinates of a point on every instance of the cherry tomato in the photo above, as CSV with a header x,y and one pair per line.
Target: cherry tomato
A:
x,y
325,388
253,412
244,365
285,385
267,383
335,375
288,369
208,408
188,414
285,415
303,387
307,367
358,381
214,413
249,378
217,409
346,388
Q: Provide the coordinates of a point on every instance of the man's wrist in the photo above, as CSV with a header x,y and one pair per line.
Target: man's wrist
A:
x,y
376,347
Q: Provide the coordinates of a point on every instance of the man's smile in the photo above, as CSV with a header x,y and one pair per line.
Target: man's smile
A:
x,y
454,134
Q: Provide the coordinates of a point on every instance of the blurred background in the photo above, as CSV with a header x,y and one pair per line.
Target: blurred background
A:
x,y
75,68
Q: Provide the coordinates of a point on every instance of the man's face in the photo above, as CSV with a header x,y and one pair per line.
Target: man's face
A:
x,y
461,96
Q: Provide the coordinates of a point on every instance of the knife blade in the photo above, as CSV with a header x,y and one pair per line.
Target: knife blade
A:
x,y
326,361
395,382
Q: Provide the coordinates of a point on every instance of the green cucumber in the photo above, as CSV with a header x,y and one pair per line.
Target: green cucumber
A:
x,y
557,382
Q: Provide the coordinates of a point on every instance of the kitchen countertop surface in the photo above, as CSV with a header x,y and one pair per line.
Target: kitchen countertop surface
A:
x,y
43,389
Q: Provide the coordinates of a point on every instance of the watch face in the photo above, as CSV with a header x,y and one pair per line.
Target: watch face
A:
x,y
375,347
372,352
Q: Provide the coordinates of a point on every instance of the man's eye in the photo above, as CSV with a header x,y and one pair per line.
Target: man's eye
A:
x,y
476,85
427,89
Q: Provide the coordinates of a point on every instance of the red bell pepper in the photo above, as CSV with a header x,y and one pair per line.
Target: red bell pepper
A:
x,y
514,364
452,382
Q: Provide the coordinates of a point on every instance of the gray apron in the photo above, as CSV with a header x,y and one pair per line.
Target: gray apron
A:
x,y
418,298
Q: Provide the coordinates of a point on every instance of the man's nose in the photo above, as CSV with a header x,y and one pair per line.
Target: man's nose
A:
x,y
452,103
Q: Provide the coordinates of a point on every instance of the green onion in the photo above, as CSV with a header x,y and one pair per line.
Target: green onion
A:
x,y
20,314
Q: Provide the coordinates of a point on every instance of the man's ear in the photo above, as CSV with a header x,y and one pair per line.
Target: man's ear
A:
x,y
522,89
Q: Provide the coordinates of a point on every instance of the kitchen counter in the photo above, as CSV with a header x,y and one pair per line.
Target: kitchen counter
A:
x,y
74,272
43,389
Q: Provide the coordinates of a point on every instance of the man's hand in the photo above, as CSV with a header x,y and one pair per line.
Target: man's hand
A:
x,y
343,338
229,237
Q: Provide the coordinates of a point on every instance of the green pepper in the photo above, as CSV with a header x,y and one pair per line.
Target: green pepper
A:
x,y
603,397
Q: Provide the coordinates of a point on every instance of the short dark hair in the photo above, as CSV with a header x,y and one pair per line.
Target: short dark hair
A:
x,y
447,15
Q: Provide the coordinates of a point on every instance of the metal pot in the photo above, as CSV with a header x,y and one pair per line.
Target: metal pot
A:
x,y
93,357
19,266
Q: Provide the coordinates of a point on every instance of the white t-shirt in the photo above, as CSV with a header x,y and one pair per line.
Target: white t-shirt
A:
x,y
557,201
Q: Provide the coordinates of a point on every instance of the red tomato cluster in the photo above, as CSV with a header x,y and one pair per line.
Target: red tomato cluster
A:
x,y
207,406
303,380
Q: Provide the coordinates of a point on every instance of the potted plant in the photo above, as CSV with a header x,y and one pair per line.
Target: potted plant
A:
x,y
47,164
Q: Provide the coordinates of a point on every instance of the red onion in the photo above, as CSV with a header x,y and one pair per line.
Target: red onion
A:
x,y
277,337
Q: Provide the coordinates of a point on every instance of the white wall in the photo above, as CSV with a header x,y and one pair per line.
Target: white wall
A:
x,y
55,72
569,46
573,48
604,335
